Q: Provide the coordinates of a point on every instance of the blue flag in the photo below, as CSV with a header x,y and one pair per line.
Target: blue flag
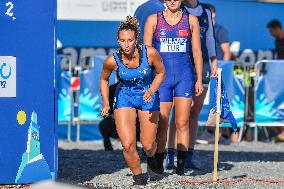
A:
x,y
226,113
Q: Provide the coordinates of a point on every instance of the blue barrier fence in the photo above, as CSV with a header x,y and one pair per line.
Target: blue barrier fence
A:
x,y
269,93
90,101
269,104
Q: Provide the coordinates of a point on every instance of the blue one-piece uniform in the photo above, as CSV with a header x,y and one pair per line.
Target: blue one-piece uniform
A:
x,y
173,44
133,82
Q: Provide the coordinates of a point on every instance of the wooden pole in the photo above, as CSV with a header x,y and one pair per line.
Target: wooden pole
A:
x,y
218,112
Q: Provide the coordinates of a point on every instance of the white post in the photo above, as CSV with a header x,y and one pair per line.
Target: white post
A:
x,y
218,113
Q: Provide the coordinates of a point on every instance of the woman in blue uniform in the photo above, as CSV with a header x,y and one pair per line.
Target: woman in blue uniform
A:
x,y
137,90
208,48
172,32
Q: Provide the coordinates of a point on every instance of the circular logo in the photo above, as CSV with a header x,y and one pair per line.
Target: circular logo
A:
x,y
5,71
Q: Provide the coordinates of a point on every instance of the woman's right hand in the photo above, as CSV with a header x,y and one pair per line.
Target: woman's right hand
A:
x,y
198,87
104,112
148,96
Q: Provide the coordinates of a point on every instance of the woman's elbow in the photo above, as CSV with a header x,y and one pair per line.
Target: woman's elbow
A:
x,y
197,53
162,74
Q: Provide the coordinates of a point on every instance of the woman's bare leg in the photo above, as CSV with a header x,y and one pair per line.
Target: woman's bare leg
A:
x,y
125,120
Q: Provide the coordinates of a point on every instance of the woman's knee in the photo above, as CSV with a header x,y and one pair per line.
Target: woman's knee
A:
x,y
129,147
182,124
148,146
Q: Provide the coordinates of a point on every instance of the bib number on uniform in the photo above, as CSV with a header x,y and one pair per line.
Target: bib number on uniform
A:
x,y
173,44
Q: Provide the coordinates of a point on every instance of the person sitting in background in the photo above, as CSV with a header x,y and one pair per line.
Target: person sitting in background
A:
x,y
107,125
279,131
276,31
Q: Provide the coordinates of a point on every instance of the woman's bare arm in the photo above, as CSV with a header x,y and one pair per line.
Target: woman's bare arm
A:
x,y
149,29
196,51
108,66
156,61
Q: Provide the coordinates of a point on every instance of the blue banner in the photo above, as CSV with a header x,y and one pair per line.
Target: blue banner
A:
x,y
28,145
269,104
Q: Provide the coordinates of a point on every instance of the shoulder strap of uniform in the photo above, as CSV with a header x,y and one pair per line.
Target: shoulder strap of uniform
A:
x,y
182,7
116,58
159,16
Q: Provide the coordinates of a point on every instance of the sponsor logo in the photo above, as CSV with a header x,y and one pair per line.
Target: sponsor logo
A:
x,y
163,32
5,71
145,71
5,74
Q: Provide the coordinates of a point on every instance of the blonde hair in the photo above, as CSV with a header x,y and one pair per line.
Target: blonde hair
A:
x,y
130,23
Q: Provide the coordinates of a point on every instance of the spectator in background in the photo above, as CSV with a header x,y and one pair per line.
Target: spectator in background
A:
x,y
145,10
276,31
221,38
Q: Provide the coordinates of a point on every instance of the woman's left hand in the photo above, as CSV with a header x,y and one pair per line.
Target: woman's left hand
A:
x,y
105,111
147,96
198,87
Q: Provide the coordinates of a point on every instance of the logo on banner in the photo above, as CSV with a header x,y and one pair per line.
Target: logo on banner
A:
x,y
75,83
183,33
7,76
5,71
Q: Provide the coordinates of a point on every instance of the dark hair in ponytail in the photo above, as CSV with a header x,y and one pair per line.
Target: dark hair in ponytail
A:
x,y
131,23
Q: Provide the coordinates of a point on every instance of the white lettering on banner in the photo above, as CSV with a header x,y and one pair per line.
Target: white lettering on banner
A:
x,y
173,44
248,56
10,7
74,54
101,10
9,11
7,76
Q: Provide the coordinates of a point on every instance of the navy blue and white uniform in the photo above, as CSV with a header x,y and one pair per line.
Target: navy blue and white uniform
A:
x,y
133,82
